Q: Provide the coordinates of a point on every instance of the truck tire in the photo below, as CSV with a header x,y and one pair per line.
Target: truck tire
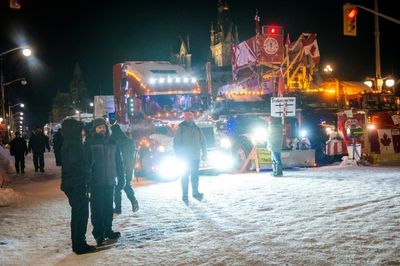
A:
x,y
241,151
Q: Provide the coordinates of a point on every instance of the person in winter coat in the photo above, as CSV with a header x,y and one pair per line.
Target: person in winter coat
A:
x,y
75,176
38,142
127,148
106,166
18,149
57,144
275,140
189,142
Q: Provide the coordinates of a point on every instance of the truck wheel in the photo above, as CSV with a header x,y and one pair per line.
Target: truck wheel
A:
x,y
241,151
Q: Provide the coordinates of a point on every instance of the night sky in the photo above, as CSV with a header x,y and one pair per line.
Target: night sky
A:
x,y
98,34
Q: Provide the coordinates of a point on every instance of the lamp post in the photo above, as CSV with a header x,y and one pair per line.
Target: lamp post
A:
x,y
11,116
26,52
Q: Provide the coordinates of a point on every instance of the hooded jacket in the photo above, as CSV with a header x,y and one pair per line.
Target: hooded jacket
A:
x,y
106,159
189,141
126,146
75,170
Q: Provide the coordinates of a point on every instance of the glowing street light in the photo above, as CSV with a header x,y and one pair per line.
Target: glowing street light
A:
x,y
389,82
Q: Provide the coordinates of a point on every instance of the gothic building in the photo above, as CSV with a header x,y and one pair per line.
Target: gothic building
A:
x,y
183,57
223,36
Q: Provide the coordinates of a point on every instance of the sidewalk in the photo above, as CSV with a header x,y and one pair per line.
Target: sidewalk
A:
x,y
51,171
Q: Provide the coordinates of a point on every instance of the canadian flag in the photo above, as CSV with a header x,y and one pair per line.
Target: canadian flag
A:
x,y
385,141
310,47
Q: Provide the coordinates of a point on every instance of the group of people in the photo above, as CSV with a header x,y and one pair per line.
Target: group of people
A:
x,y
38,143
95,171
97,167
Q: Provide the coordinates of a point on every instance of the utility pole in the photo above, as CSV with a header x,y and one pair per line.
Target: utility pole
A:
x,y
378,75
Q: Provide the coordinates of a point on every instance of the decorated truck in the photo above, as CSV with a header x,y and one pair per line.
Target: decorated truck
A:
x,y
369,129
150,99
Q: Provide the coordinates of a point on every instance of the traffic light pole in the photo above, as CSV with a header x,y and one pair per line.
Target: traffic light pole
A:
x,y
378,74
377,13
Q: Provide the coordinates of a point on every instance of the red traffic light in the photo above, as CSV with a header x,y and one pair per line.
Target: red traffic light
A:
x,y
352,13
272,30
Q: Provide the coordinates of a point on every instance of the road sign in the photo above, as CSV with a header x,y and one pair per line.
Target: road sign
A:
x,y
283,106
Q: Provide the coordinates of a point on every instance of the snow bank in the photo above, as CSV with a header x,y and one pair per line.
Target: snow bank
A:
x,y
8,196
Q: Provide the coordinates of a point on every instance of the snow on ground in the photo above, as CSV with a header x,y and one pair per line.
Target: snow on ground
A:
x,y
321,216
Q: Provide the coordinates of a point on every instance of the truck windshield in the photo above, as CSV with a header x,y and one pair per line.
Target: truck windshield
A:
x,y
172,103
247,107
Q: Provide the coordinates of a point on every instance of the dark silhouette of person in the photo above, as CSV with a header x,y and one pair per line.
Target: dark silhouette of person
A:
x,y
127,148
75,176
106,166
57,144
38,143
18,149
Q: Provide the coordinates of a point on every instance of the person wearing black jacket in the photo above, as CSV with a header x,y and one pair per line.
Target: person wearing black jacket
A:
x,y
75,175
127,148
57,144
38,142
106,166
18,149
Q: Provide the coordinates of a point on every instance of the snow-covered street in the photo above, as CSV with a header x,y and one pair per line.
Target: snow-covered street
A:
x,y
322,216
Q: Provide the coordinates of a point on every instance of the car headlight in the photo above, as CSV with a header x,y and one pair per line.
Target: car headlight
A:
x,y
259,135
220,160
226,143
161,148
171,168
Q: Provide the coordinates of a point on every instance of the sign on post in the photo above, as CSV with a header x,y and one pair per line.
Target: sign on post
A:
x,y
283,106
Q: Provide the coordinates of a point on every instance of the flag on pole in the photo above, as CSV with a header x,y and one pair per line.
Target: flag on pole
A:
x,y
310,47
258,26
281,84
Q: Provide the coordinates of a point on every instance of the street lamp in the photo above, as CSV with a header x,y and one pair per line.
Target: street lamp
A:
x,y
11,116
26,52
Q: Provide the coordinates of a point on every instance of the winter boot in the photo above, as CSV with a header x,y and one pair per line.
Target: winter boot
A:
x,y
199,196
113,235
185,200
135,205
100,240
85,249
279,171
273,173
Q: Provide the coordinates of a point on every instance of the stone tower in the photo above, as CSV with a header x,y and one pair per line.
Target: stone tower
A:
x,y
222,36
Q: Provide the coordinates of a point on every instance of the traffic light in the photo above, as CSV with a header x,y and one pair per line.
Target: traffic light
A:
x,y
14,4
349,20
131,107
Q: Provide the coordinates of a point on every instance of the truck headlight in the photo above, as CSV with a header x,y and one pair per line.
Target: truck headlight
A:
x,y
259,135
220,160
226,143
171,168
161,148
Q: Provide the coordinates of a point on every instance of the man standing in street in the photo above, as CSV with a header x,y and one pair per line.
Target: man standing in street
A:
x,y
38,142
127,148
189,142
106,166
18,149
75,176
275,140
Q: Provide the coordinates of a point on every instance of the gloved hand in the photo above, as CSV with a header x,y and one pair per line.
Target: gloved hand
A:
x,y
204,157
